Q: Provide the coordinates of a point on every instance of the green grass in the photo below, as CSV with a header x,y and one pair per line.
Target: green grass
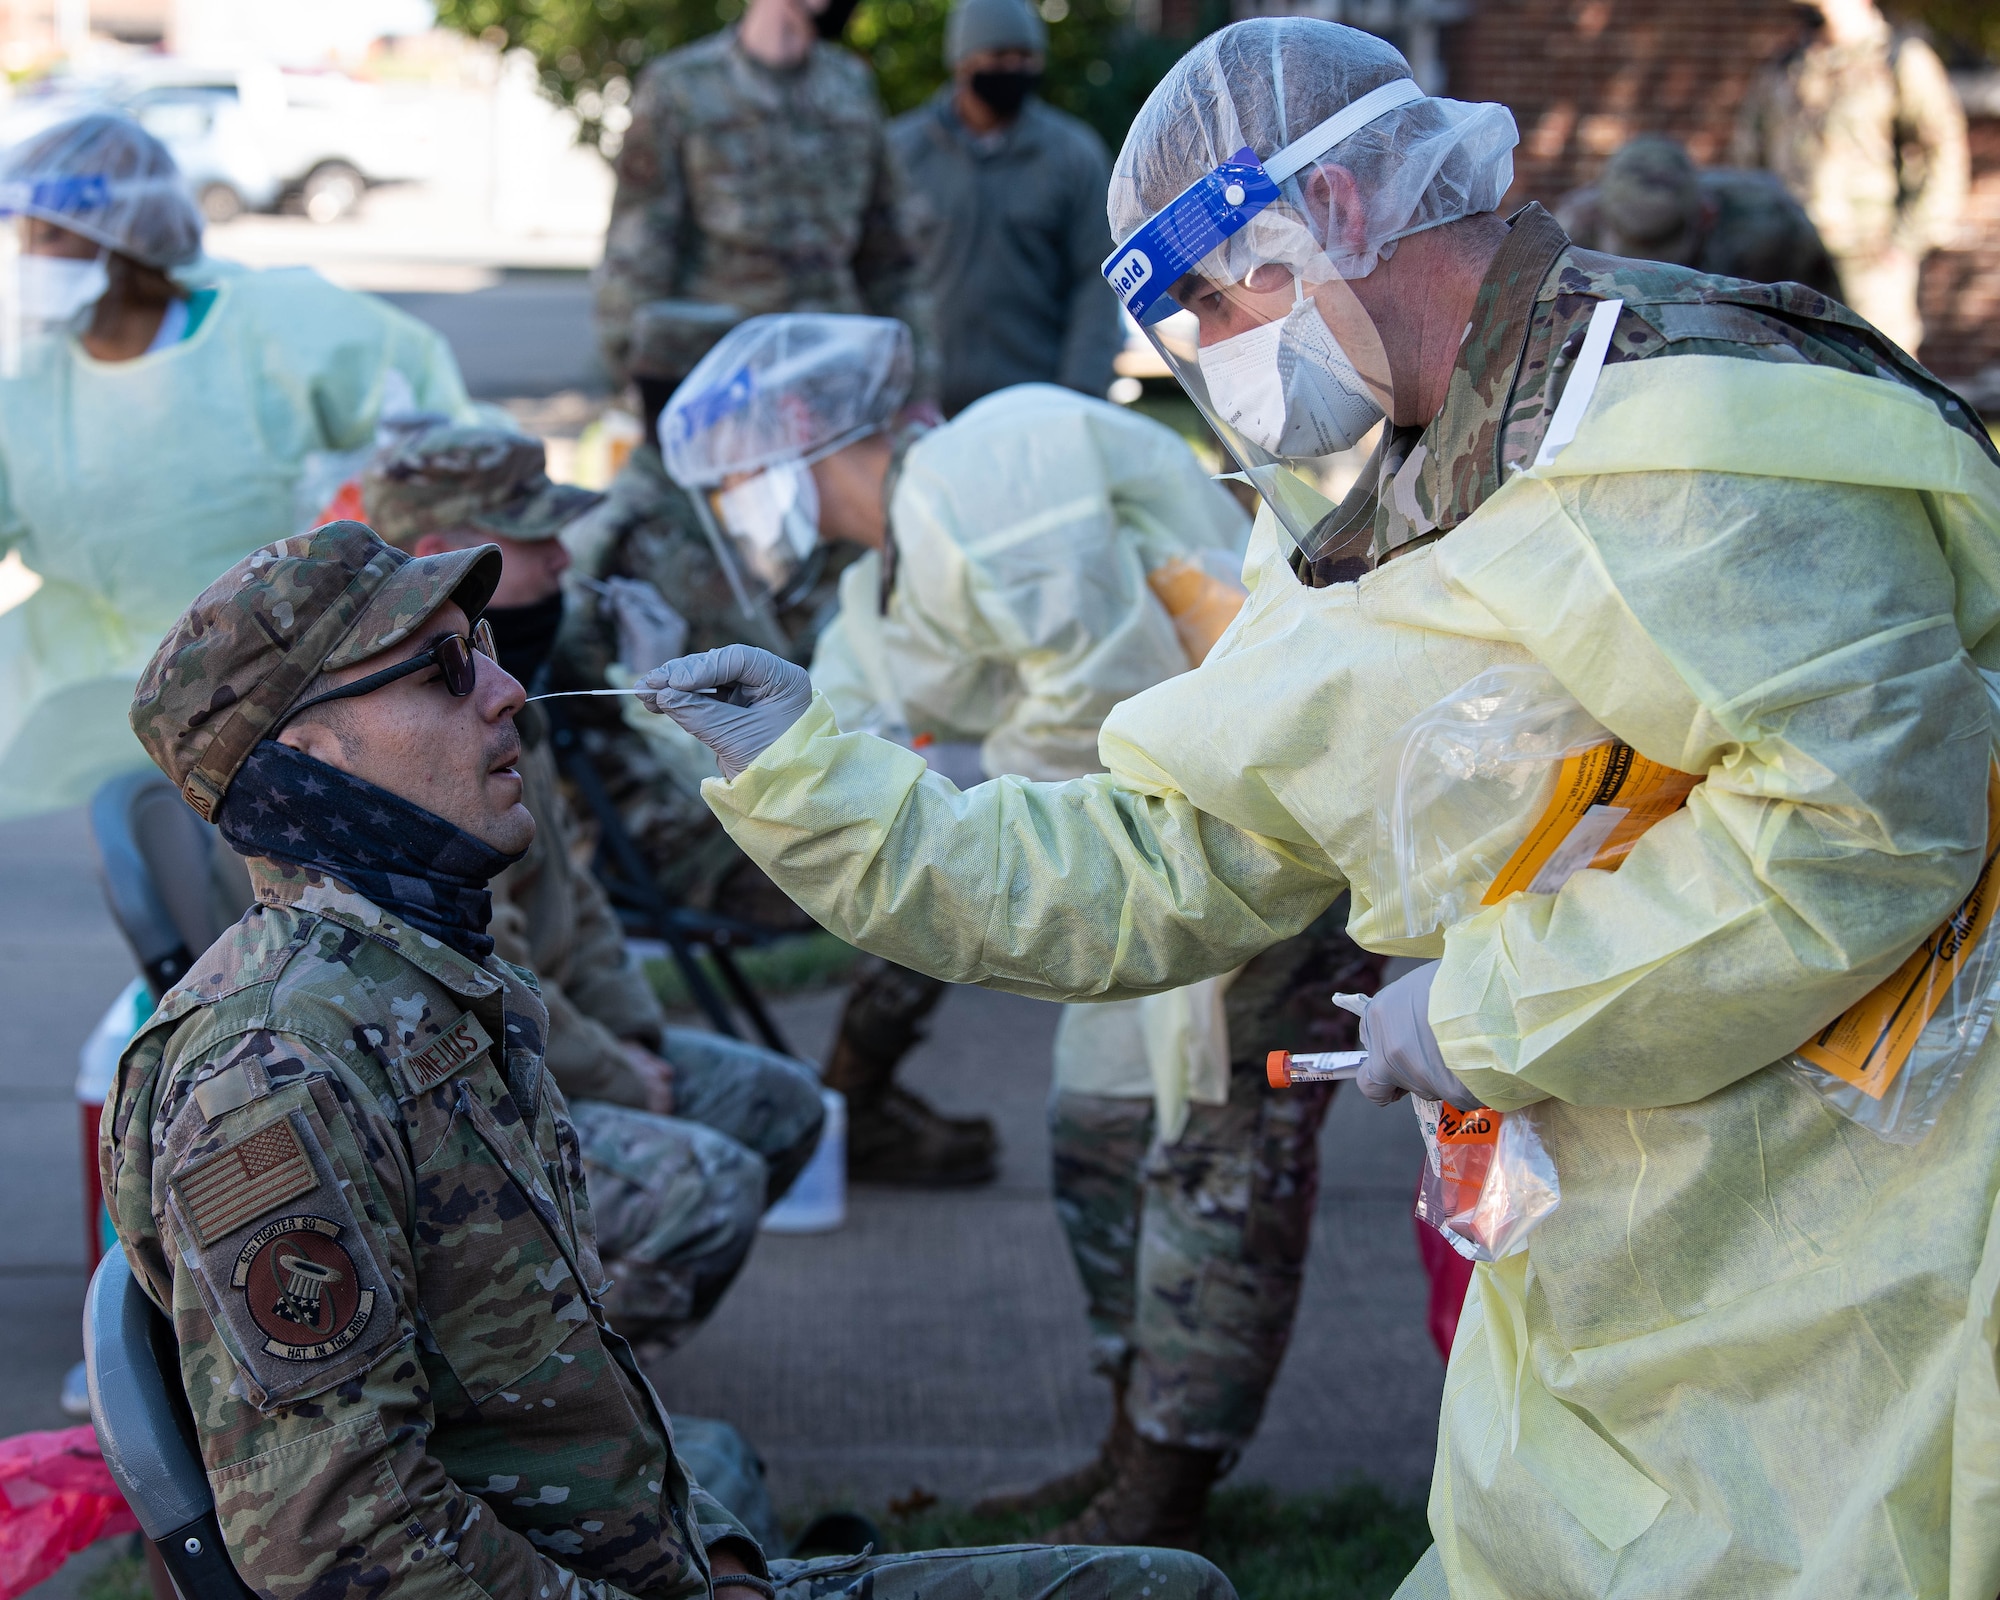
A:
x,y
1354,1544
121,1578
807,961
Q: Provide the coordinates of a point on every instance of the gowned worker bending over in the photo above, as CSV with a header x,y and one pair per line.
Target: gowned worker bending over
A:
x,y
1031,563
337,1157
1752,1351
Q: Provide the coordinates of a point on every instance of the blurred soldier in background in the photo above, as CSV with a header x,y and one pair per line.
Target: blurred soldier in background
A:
x,y
686,1136
155,427
1014,192
1652,205
1864,128
756,174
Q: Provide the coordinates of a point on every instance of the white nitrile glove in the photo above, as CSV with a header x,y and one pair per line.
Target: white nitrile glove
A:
x,y
1403,1054
737,700
650,630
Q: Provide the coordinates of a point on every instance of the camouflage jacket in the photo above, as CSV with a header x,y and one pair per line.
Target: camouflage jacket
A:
x,y
551,916
1527,328
335,1157
1870,137
765,190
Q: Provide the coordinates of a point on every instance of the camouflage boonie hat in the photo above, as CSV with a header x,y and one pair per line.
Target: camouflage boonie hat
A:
x,y
468,480
1650,190
670,336
242,655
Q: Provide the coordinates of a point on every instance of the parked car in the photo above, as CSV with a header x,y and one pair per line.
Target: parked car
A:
x,y
251,138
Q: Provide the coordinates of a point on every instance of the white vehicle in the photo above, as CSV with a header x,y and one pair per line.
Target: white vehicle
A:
x,y
250,138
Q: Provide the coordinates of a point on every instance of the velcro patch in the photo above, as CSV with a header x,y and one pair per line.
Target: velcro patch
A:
x,y
462,1041
243,1182
302,1288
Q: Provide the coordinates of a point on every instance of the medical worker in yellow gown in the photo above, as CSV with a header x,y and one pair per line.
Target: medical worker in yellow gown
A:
x,y
154,425
1752,1351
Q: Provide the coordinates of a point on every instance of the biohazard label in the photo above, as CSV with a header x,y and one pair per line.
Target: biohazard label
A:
x,y
1605,798
1870,1043
301,1288
243,1182
462,1042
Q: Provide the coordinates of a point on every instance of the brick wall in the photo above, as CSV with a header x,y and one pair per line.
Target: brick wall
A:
x,y
1583,76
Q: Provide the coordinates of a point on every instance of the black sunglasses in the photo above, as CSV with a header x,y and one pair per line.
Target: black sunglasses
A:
x,y
451,654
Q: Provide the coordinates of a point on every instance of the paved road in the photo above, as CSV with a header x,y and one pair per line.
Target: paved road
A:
x,y
527,335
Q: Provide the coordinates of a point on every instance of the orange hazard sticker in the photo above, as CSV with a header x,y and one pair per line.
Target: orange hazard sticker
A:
x,y
1466,1144
1869,1043
1605,797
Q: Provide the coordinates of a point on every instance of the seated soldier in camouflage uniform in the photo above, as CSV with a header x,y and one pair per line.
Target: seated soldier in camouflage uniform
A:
x,y
1652,204
647,531
682,1151
336,1157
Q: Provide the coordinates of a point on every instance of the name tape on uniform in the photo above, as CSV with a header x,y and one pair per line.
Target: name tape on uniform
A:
x,y
462,1041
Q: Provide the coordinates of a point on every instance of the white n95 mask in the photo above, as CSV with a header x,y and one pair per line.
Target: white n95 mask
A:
x,y
55,289
774,520
1289,387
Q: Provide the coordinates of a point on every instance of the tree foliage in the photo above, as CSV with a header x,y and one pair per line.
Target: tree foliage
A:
x,y
1101,67
1967,31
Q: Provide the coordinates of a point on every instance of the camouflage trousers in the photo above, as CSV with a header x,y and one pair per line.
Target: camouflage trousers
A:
x,y
1006,1572
1192,1254
677,1199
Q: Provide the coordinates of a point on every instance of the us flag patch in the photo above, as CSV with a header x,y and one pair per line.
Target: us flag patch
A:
x,y
244,1182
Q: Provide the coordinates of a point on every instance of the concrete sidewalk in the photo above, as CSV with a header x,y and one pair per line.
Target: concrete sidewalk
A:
x,y
937,1340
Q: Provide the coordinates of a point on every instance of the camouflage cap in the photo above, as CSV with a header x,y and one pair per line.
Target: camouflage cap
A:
x,y
457,479
242,655
1650,191
670,336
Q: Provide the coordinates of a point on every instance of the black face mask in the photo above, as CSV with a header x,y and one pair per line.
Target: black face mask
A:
x,y
831,23
1004,93
526,635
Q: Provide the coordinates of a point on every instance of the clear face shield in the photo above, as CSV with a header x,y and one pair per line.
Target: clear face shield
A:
x,y
1251,312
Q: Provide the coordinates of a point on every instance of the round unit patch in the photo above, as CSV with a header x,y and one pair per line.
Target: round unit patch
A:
x,y
302,1289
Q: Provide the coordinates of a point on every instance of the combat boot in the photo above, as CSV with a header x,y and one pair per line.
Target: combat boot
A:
x,y
1079,1484
1157,1498
894,1136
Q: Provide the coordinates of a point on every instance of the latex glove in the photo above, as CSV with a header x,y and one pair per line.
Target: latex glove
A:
x,y
1403,1054
650,630
957,760
756,697
655,1072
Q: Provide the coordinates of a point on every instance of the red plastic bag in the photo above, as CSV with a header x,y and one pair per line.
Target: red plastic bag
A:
x,y
56,1497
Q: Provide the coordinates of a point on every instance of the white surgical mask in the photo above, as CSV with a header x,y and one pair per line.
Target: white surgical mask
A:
x,y
54,289
774,519
1289,387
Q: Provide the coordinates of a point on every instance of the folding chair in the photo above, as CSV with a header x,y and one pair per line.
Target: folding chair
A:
x,y
146,1432
174,887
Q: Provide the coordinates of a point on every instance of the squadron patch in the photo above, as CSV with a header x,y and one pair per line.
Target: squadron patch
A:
x,y
302,1289
462,1041
239,1184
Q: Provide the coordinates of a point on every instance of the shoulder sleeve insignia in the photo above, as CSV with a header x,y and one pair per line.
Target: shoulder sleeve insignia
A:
x,y
462,1042
243,1182
299,1298
302,1288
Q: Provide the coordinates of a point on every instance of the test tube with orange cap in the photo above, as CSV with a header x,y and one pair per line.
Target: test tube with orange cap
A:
x,y
1284,1069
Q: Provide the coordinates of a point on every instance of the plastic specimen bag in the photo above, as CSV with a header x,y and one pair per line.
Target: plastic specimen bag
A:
x,y
1488,1180
1890,1060
1506,784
